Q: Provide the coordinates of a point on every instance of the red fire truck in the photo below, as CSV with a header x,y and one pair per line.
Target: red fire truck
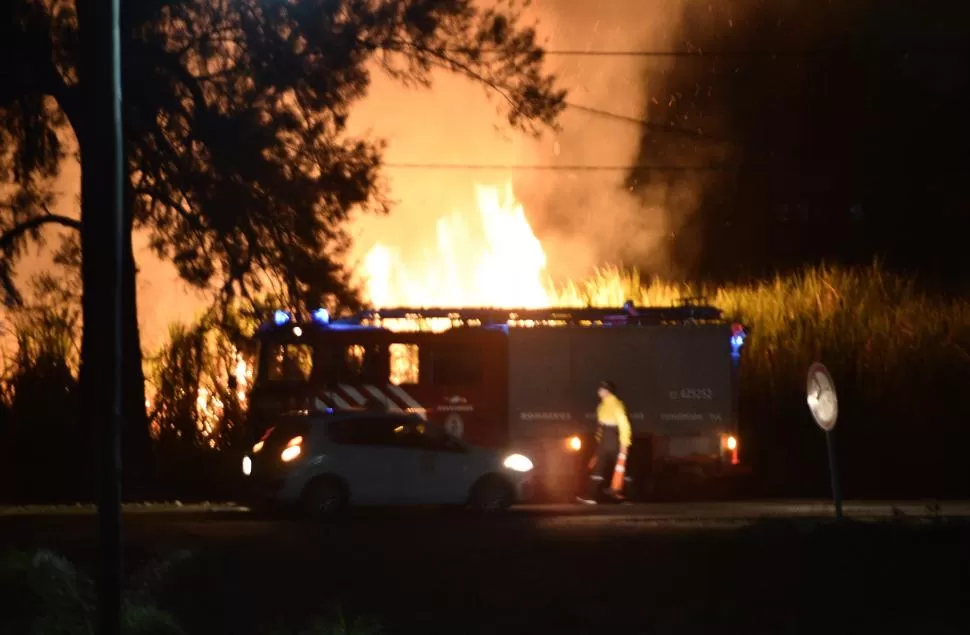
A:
x,y
523,380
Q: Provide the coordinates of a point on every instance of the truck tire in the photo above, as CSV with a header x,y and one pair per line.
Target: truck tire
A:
x,y
491,494
324,497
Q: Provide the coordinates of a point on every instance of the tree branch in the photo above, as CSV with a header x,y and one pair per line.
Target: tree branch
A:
x,y
7,251
9,237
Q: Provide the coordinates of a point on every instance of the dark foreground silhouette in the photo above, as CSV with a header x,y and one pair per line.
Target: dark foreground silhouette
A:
x,y
422,572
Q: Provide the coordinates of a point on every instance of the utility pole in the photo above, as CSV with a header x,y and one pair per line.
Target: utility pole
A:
x,y
102,225
109,505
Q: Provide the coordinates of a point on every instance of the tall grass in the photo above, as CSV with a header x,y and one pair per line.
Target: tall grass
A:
x,y
192,409
40,396
197,415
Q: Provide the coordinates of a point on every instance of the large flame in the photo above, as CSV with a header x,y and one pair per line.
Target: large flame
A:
x,y
492,260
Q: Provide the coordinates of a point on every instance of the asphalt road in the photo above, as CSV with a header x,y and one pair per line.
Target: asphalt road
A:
x,y
674,512
736,567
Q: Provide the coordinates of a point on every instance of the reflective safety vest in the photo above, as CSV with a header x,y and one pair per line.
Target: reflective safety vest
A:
x,y
612,412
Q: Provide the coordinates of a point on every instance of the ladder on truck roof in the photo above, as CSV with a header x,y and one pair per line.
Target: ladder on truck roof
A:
x,y
626,315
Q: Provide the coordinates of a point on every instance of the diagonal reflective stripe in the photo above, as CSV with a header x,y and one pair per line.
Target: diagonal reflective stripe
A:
x,y
338,400
320,404
354,394
413,406
384,399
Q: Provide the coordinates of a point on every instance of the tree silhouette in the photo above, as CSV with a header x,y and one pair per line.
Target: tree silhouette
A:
x,y
235,115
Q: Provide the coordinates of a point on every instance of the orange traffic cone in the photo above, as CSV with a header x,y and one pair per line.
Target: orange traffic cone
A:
x,y
619,475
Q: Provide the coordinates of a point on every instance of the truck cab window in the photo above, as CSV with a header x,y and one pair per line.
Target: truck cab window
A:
x,y
289,362
404,360
361,363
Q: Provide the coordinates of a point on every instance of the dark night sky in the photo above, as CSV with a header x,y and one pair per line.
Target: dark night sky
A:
x,y
845,128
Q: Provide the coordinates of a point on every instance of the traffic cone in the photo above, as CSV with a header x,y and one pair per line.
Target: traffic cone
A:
x,y
619,474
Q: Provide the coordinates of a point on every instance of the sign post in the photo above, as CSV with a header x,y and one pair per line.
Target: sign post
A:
x,y
824,406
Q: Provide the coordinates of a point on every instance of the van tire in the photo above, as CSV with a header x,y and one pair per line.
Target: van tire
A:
x,y
324,496
491,494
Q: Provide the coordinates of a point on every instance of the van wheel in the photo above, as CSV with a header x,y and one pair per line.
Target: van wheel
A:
x,y
324,497
491,494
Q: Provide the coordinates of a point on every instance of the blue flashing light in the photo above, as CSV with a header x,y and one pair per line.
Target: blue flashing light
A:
x,y
737,341
321,316
281,317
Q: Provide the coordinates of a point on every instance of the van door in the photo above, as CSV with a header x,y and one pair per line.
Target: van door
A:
x,y
375,458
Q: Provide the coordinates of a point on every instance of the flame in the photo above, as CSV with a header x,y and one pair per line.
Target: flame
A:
x,y
494,260
243,373
209,407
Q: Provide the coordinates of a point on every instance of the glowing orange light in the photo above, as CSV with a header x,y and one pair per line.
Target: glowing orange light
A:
x,y
575,443
292,449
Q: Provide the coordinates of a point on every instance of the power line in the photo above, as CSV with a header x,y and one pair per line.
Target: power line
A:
x,y
540,167
610,115
560,168
650,125
750,53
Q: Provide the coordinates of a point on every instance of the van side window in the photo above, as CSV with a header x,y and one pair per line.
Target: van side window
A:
x,y
457,366
405,364
383,431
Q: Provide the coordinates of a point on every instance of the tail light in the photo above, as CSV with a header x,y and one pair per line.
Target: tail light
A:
x,y
729,448
262,440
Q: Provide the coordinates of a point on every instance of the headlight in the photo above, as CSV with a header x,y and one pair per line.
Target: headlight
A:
x,y
292,449
247,466
574,443
732,443
517,463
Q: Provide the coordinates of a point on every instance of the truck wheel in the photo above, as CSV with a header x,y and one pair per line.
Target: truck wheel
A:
x,y
323,497
491,494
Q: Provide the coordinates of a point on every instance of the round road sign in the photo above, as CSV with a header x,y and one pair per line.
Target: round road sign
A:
x,y
822,400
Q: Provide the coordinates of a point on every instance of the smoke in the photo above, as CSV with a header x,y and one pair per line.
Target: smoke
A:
x,y
584,218
591,218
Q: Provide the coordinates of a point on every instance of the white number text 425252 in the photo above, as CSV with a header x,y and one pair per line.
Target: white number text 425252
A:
x,y
692,394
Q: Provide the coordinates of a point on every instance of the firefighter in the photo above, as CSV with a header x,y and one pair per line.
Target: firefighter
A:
x,y
613,440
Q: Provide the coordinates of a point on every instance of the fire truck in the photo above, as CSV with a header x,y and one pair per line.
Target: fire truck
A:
x,y
522,380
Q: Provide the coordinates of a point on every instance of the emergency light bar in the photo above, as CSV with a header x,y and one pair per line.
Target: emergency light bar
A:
x,y
281,317
625,315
